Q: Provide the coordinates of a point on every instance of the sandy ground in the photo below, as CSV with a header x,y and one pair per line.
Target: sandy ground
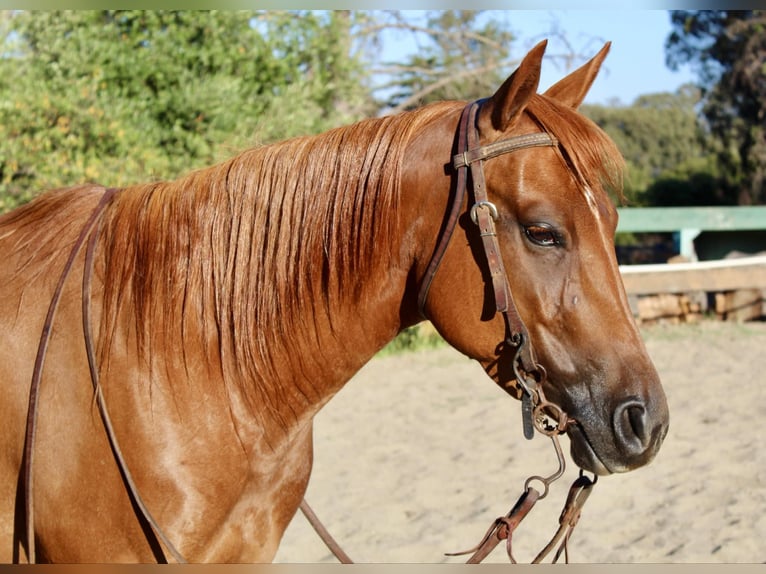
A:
x,y
420,452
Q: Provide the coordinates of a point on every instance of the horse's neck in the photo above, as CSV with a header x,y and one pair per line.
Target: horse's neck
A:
x,y
337,341
289,323
358,325
317,346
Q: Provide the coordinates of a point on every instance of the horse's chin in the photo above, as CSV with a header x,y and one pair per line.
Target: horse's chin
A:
x,y
584,455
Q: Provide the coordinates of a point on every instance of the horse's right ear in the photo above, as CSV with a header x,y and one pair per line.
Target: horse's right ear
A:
x,y
509,101
572,89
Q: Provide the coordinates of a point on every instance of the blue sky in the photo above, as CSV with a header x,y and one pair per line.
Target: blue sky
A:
x,y
636,61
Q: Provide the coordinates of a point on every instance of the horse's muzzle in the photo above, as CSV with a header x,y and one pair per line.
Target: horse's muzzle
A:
x,y
636,429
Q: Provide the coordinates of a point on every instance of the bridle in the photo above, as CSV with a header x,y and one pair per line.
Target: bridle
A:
x,y
470,157
537,412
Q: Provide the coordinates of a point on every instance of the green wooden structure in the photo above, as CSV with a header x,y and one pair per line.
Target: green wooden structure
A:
x,y
689,222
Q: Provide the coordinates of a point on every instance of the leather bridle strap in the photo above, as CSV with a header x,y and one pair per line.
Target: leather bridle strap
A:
x,y
470,157
324,534
484,213
449,225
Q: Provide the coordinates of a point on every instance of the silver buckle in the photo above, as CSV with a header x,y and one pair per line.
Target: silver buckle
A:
x,y
481,204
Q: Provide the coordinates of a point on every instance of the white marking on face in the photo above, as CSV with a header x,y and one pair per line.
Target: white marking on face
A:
x,y
591,199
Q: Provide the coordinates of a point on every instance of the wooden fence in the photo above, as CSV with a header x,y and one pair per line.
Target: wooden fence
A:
x,y
689,222
734,289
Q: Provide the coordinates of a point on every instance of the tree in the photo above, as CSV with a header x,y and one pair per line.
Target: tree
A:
x,y
117,96
460,54
457,58
661,138
728,50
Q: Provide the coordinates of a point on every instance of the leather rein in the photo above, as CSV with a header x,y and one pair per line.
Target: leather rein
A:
x,y
537,412
155,534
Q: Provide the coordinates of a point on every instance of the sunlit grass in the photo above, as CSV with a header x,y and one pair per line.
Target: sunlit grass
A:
x,y
416,338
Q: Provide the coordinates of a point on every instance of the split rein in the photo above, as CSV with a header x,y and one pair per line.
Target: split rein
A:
x,y
88,237
504,526
537,413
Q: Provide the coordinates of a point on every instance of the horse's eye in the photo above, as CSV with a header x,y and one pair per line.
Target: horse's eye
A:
x,y
542,235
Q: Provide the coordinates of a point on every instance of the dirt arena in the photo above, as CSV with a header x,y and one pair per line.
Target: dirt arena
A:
x,y
420,452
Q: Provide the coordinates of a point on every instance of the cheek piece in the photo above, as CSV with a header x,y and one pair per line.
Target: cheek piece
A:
x,y
470,157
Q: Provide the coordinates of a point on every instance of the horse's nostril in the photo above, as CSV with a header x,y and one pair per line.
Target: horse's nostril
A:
x,y
636,417
630,425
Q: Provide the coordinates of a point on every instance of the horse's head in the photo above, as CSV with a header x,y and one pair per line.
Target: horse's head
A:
x,y
555,229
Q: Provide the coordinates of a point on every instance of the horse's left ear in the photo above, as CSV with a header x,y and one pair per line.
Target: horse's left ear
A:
x,y
572,89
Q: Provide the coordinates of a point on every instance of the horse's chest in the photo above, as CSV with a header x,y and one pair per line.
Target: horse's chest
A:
x,y
252,527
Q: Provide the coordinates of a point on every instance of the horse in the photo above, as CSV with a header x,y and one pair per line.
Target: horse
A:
x,y
215,314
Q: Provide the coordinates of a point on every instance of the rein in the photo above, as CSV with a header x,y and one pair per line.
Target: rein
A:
x,y
89,233
537,413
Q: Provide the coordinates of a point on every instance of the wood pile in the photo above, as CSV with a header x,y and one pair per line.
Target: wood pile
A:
x,y
683,292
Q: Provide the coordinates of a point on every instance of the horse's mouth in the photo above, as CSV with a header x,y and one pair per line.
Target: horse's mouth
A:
x,y
583,453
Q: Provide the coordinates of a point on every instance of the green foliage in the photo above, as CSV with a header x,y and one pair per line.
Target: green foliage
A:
x,y
416,338
117,96
728,50
662,140
697,181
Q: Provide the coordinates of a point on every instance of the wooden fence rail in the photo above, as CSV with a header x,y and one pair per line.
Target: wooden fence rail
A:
x,y
733,288
709,276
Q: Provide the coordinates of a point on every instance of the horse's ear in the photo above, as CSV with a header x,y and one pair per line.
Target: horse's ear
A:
x,y
510,100
572,89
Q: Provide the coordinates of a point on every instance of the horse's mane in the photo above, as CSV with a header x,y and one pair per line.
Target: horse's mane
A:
x,y
269,239
593,158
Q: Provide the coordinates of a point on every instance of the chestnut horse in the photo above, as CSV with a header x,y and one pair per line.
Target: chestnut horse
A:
x,y
228,306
